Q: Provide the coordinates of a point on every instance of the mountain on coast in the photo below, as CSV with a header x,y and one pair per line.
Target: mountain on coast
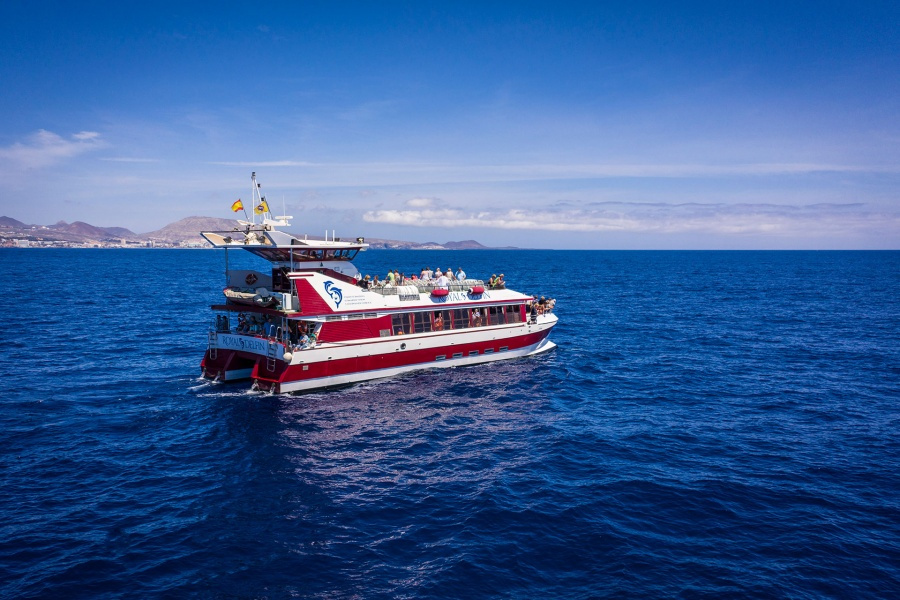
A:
x,y
185,232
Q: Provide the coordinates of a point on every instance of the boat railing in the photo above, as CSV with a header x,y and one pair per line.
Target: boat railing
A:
x,y
426,287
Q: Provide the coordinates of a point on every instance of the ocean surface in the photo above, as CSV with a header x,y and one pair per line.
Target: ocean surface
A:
x,y
711,425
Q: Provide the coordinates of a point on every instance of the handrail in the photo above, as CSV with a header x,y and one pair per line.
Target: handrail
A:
x,y
426,287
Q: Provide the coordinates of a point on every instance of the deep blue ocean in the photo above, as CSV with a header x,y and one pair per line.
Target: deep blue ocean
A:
x,y
711,425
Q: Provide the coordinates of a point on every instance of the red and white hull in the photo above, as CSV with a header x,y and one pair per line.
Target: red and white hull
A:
x,y
336,364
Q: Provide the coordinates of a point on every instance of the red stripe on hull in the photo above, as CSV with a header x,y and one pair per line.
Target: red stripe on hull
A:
x,y
228,361
311,303
324,371
405,358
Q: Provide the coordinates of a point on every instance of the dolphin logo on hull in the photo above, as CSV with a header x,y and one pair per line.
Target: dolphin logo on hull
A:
x,y
334,292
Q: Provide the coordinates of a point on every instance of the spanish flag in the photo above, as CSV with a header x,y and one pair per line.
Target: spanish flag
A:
x,y
262,207
237,205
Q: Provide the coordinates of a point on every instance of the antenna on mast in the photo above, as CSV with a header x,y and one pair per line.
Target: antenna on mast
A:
x,y
255,195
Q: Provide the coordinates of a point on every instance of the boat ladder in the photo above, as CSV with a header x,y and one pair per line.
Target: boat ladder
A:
x,y
271,353
212,344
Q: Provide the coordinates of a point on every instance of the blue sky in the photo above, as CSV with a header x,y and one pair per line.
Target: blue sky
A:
x,y
534,124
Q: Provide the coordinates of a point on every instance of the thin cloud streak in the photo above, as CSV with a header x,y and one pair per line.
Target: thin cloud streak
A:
x,y
45,148
381,173
742,219
132,160
276,163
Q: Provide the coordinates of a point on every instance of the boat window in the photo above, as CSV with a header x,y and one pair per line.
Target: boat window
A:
x,y
421,322
280,281
442,320
495,314
400,324
514,314
460,318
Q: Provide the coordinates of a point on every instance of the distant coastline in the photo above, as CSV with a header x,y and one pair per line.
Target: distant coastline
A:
x,y
184,233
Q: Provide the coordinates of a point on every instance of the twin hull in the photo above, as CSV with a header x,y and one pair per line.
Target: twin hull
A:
x,y
233,357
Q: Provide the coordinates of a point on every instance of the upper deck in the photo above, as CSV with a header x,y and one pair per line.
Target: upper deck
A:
x,y
284,247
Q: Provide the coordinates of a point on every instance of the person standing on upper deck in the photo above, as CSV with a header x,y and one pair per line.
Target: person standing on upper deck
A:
x,y
461,275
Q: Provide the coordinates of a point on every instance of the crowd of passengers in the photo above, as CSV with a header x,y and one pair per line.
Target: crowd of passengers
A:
x,y
436,277
540,307
300,335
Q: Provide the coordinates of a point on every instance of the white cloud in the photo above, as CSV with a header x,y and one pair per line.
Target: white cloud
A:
x,y
44,148
740,219
131,160
273,163
409,173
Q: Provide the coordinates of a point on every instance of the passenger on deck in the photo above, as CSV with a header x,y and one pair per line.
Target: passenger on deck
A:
x,y
449,273
442,282
255,325
389,280
499,283
438,322
461,275
491,281
476,317
304,341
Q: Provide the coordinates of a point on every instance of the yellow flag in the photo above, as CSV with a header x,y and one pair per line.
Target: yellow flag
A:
x,y
237,205
262,207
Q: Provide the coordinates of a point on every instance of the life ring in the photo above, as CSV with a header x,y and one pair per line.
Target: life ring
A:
x,y
251,278
438,292
476,290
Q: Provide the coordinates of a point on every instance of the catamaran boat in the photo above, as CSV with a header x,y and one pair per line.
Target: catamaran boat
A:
x,y
312,322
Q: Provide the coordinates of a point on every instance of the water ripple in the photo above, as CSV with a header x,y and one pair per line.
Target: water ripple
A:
x,y
711,425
